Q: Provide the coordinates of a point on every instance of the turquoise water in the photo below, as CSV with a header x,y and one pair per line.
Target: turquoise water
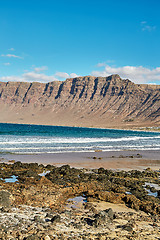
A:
x,y
27,139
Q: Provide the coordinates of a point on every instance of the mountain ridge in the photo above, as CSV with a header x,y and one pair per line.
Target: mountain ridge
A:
x,y
82,101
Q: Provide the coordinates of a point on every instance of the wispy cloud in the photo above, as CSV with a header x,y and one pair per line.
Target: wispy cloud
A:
x,y
11,79
62,74
11,56
103,64
11,49
73,75
29,77
146,27
65,75
138,74
37,76
6,64
40,69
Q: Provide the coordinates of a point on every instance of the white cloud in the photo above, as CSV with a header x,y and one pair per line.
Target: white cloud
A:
x,y
138,74
40,77
73,75
6,64
40,69
11,55
146,27
36,76
30,77
103,64
65,75
11,78
11,49
62,74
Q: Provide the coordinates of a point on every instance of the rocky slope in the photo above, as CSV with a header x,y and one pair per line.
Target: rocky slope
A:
x,y
82,101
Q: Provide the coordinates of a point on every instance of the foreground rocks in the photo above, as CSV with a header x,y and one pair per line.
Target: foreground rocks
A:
x,y
47,202
28,222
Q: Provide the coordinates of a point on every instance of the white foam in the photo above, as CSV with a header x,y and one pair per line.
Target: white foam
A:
x,y
38,140
41,144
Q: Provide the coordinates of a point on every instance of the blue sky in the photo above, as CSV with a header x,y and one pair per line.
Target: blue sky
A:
x,y
52,40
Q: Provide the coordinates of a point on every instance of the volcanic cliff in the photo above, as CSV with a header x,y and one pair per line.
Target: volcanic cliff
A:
x,y
82,101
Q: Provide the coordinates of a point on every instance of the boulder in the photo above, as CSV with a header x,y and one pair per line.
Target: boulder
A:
x,y
6,199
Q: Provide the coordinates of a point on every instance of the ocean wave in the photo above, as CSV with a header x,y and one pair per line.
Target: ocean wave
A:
x,y
38,140
94,147
40,150
75,140
69,151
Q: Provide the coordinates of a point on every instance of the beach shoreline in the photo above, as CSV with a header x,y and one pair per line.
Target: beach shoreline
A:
x,y
115,160
138,128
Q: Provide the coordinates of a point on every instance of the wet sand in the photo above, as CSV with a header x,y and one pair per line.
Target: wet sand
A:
x,y
118,160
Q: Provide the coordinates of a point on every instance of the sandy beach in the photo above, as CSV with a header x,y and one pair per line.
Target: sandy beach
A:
x,y
118,160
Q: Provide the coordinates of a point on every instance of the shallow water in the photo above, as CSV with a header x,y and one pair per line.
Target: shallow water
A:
x,y
156,186
76,201
43,174
12,179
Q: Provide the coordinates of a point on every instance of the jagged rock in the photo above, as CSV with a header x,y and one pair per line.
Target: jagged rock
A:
x,y
128,228
39,219
56,219
110,213
100,219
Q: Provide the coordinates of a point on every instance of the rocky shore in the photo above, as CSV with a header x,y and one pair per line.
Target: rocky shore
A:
x,y
48,202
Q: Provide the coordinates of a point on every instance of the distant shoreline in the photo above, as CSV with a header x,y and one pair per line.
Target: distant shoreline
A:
x,y
142,129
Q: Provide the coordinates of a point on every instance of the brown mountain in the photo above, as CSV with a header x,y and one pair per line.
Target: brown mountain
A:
x,y
82,101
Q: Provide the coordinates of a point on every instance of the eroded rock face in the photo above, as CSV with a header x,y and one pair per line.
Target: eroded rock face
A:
x,y
84,101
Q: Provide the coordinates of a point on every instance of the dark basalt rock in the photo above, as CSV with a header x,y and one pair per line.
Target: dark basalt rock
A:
x,y
64,174
89,221
56,219
100,219
128,228
110,213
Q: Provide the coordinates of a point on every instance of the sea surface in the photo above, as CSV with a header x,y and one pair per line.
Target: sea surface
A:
x,y
37,139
